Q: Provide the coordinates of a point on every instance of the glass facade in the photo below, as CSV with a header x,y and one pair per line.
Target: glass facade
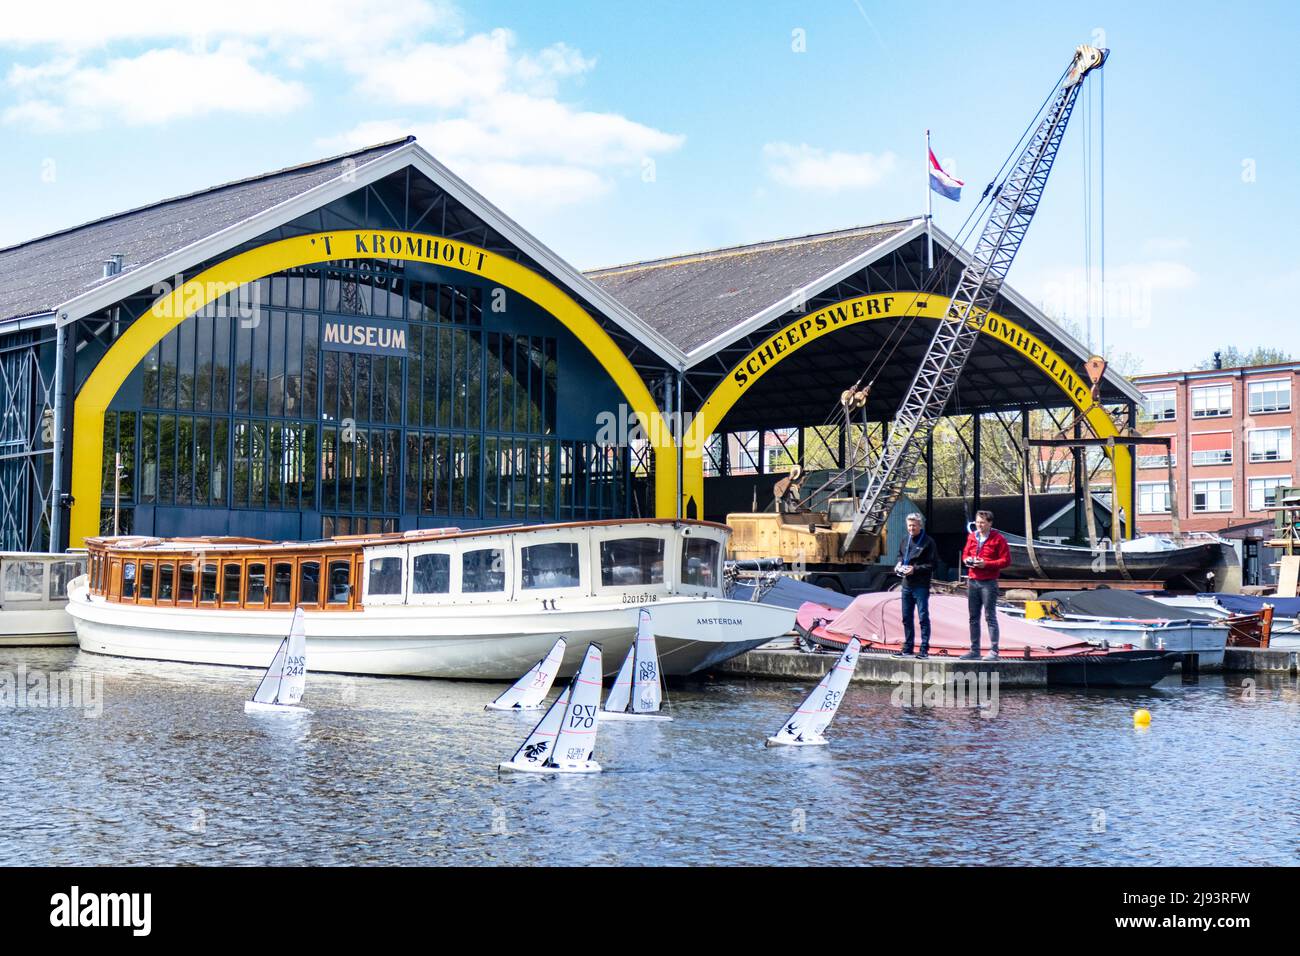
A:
x,y
244,407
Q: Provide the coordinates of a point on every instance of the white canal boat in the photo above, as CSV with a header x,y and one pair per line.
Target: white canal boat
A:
x,y
34,597
483,604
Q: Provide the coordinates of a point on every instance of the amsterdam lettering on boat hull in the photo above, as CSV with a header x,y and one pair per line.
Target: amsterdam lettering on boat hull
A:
x,y
367,336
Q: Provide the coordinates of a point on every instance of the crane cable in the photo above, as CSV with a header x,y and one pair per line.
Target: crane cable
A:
x,y
839,415
976,215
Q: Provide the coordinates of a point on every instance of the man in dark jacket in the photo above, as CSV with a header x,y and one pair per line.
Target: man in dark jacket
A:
x,y
916,560
985,555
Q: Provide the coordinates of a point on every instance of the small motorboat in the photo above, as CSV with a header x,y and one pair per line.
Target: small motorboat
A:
x,y
34,598
876,620
1114,616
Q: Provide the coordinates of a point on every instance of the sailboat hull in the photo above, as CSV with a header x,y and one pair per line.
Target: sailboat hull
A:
x,y
815,740
517,708
624,715
253,707
583,766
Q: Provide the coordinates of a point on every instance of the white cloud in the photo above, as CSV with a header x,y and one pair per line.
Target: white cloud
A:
x,y
1133,292
490,110
441,76
155,87
809,167
492,114
316,27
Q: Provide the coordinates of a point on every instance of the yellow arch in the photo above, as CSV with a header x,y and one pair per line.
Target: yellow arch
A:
x,y
171,309
804,329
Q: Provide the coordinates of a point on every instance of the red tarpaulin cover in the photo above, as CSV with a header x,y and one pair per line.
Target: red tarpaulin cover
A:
x,y
878,619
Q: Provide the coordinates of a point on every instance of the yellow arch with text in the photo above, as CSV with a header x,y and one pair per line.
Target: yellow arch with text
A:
x,y
171,309
808,328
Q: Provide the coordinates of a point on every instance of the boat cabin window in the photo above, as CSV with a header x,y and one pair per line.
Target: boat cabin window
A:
x,y
230,581
256,584
24,580
553,565
166,582
340,581
128,581
61,573
700,563
282,583
385,576
431,573
208,584
146,582
482,570
309,583
625,562
185,593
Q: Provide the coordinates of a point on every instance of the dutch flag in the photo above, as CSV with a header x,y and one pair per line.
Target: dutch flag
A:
x,y
942,183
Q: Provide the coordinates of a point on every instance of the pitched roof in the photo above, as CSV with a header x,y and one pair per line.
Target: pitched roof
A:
x,y
39,275
694,298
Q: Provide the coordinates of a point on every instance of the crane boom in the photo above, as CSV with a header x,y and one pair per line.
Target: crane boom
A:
x,y
1014,205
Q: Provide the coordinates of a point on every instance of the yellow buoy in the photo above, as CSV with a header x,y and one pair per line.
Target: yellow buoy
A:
x,y
1142,718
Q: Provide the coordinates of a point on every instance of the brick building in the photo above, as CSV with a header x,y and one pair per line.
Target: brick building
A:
x,y
1233,432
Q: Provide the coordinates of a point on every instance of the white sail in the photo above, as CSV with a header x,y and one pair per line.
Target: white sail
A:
x,y
806,724
575,746
535,752
269,689
294,680
648,692
530,690
621,693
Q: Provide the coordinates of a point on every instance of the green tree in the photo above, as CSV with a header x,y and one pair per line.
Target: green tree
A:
x,y
1233,357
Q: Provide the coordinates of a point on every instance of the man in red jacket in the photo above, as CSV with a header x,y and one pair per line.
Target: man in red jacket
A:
x,y
985,555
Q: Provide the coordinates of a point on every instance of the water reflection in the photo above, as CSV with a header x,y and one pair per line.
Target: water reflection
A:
x,y
404,771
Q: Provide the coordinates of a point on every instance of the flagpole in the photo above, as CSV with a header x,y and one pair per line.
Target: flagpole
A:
x,y
929,206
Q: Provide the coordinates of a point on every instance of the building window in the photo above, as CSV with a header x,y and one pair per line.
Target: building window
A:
x,y
1270,396
1270,444
1208,496
1153,498
1161,405
1212,401
1157,461
1212,456
1263,492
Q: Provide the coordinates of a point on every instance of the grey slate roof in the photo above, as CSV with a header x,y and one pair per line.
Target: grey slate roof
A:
x,y
694,298
39,275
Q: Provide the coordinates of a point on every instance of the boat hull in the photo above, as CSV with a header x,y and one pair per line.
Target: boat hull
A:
x,y
1207,641
38,627
472,643
1062,563
1136,669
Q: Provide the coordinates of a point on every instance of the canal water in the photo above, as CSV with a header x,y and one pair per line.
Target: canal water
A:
x,y
389,771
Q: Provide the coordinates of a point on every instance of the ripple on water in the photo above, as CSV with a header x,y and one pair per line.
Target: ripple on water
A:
x,y
403,771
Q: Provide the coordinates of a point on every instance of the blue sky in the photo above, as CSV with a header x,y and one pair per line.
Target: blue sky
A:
x,y
622,131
